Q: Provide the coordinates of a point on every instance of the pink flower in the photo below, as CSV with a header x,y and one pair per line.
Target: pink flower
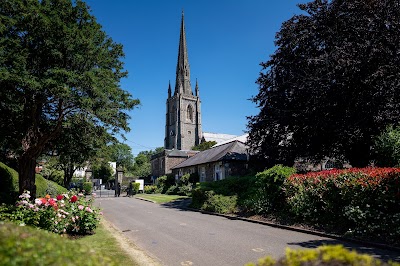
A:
x,y
38,202
88,209
80,207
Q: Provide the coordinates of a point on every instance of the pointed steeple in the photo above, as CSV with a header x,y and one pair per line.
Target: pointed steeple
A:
x,y
197,89
169,89
182,84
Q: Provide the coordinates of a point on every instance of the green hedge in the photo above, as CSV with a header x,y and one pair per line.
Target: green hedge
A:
x,y
23,245
44,187
8,184
88,187
362,202
325,255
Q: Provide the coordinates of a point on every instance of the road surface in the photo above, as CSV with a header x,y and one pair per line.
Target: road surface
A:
x,y
176,236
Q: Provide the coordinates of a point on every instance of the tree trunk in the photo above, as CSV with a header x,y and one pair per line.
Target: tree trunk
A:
x,y
69,170
27,166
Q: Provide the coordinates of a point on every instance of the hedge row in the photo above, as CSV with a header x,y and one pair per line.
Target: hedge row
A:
x,y
9,185
363,203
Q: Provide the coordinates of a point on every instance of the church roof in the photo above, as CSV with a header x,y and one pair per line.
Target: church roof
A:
x,y
234,150
217,137
241,138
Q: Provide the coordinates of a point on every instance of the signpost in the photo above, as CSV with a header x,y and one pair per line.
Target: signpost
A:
x,y
118,180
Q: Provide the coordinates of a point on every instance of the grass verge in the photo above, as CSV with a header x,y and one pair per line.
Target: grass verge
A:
x,y
105,242
161,198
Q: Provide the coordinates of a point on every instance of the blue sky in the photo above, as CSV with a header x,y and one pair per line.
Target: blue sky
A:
x,y
227,40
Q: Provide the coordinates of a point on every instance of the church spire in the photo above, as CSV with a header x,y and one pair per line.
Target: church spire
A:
x,y
182,84
197,89
169,89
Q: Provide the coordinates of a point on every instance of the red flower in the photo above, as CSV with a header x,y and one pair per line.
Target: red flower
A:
x,y
60,197
74,198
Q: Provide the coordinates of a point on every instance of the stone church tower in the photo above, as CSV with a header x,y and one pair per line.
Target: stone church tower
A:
x,y
183,117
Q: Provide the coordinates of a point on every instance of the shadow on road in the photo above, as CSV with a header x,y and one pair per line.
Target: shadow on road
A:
x,y
384,255
181,204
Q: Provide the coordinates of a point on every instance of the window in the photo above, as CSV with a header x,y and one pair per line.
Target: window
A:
x,y
202,174
190,113
217,173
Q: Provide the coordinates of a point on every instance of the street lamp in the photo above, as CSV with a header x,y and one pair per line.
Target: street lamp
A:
x,y
118,179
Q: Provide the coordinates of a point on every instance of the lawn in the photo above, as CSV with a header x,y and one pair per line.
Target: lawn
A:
x,y
161,198
104,242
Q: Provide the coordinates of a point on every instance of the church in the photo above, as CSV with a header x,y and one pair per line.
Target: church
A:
x,y
183,128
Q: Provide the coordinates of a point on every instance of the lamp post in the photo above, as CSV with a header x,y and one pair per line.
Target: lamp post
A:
x,y
118,180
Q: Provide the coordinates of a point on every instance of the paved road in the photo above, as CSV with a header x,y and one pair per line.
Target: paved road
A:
x,y
179,237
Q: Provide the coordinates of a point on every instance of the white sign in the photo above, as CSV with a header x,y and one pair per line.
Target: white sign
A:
x,y
141,182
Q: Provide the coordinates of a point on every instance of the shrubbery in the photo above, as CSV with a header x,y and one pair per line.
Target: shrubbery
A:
x,y
24,245
324,255
88,187
150,189
8,184
363,202
66,213
47,187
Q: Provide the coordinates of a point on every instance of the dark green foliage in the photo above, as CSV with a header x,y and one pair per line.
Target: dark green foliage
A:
x,y
88,187
23,245
8,184
219,203
165,182
387,147
332,84
47,187
102,171
56,65
204,146
268,191
135,187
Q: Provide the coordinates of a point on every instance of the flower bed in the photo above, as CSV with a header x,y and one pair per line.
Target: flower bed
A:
x,y
69,213
358,202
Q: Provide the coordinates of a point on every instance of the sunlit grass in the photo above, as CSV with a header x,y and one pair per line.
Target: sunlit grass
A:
x,y
161,198
103,242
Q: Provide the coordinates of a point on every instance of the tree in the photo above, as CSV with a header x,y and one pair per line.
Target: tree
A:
x,y
387,147
142,166
332,84
205,145
55,62
121,154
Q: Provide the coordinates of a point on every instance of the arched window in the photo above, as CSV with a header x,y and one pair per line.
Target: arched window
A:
x,y
190,113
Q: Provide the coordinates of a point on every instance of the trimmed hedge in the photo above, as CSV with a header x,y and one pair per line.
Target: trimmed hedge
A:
x,y
8,184
357,202
325,255
47,187
24,245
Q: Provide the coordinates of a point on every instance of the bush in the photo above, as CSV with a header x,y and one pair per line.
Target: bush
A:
x,y
165,182
172,190
8,184
47,187
23,245
135,187
325,255
219,203
268,195
387,148
67,213
365,202
149,189
88,187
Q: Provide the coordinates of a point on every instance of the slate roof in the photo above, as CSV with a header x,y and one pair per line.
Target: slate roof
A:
x,y
234,150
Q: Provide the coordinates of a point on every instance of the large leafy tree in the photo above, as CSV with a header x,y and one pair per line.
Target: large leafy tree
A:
x,y
332,84
142,165
121,154
55,62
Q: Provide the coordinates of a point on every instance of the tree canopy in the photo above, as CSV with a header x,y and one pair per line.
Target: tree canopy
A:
x,y
332,84
205,145
55,62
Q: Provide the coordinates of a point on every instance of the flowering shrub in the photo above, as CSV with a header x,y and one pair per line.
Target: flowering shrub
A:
x,y
66,213
358,201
